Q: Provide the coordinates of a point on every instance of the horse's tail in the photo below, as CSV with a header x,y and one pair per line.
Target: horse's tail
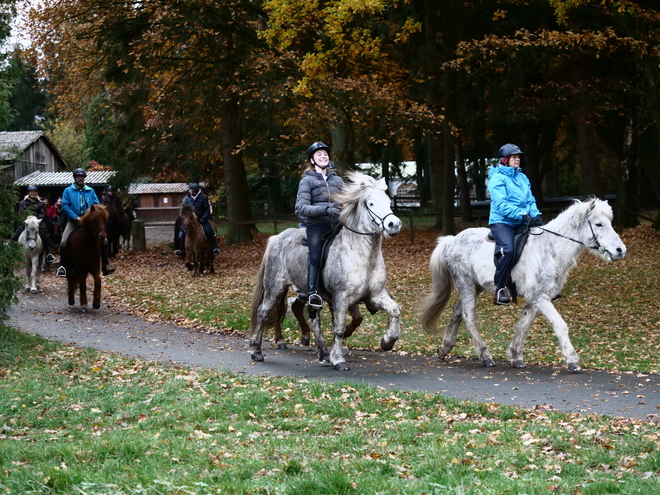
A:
x,y
440,289
259,292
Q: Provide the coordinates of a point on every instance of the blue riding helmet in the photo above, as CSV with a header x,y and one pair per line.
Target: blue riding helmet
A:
x,y
193,186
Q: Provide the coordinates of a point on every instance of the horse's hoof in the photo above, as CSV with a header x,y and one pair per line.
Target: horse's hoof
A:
x,y
71,302
282,346
324,358
344,351
257,356
574,368
489,363
304,341
342,366
33,291
96,305
442,354
386,346
518,363
83,310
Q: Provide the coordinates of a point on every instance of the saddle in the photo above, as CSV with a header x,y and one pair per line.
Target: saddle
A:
x,y
519,240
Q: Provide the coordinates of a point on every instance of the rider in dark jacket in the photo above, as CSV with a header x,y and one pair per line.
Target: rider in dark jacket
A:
x,y
37,207
319,213
202,208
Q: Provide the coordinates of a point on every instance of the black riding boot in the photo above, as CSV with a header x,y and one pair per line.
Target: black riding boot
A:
x,y
313,298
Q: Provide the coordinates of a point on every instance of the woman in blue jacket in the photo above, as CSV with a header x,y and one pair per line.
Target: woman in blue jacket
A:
x,y
318,212
511,205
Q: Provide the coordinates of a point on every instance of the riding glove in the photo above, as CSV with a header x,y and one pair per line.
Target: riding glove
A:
x,y
525,218
332,211
537,221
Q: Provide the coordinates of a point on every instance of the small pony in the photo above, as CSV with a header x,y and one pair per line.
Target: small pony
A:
x,y
355,271
199,253
35,253
466,262
84,252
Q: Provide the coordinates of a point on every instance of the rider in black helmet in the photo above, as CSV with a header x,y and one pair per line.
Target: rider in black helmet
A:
x,y
202,207
319,213
37,207
512,205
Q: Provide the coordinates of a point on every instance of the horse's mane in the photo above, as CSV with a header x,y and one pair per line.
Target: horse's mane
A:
x,y
580,211
358,187
187,210
94,214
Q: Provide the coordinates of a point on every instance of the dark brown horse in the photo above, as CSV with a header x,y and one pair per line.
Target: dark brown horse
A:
x,y
84,253
199,253
118,225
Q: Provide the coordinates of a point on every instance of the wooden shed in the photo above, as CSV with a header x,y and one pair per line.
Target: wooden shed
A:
x,y
158,202
28,152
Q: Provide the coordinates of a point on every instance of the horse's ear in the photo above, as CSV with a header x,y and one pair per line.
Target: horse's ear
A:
x,y
39,220
381,184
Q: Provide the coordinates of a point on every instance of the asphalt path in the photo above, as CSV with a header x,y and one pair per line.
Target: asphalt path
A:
x,y
632,395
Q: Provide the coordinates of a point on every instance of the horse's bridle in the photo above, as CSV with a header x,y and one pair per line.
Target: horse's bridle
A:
x,y
375,219
593,236
28,238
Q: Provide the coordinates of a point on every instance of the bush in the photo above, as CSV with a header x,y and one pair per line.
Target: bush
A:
x,y
11,253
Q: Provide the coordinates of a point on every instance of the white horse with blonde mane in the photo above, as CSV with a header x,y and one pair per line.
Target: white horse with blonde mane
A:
x,y
35,253
466,262
354,271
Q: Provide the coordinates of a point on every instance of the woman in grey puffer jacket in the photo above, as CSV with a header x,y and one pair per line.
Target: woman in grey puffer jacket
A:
x,y
319,213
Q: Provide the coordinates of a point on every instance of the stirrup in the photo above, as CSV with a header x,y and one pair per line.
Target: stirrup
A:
x,y
314,301
502,297
216,252
61,271
50,258
177,252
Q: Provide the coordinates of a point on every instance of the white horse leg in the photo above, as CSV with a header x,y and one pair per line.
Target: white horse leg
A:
x,y
449,340
338,327
561,331
391,335
263,313
515,350
321,348
470,318
34,275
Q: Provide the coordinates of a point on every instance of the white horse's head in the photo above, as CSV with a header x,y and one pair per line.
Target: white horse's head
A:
x,y
366,207
31,231
597,232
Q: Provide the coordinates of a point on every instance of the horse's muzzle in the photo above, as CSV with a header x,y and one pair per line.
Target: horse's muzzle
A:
x,y
392,225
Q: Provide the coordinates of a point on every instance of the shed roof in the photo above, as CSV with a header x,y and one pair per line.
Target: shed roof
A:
x,y
63,179
150,188
12,142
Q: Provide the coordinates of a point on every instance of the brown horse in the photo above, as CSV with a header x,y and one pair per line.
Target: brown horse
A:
x,y
118,224
84,253
199,253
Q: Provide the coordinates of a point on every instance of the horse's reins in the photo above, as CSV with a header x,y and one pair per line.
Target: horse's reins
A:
x,y
593,235
373,216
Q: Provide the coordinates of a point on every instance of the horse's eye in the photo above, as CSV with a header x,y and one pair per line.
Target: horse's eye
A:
x,y
599,224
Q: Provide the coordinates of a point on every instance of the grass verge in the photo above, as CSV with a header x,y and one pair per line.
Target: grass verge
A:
x,y
80,421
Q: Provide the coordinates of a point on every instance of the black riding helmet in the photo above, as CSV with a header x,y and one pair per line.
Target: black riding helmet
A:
x,y
32,187
315,147
80,171
193,186
507,150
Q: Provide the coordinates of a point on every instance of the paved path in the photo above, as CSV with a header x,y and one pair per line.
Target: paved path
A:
x,y
108,329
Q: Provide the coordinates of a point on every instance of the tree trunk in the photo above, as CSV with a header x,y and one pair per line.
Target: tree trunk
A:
x,y
592,182
626,207
343,145
464,186
532,167
239,213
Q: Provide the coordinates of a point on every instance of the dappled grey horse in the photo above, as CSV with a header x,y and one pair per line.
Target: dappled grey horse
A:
x,y
467,260
354,271
35,253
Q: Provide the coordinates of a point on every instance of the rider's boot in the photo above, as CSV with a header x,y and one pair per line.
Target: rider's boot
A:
x,y
214,245
61,271
314,300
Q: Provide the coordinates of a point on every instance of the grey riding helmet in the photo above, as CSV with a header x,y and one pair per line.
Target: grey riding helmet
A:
x,y
507,150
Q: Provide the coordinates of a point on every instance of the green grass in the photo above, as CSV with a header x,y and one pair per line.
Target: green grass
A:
x,y
79,421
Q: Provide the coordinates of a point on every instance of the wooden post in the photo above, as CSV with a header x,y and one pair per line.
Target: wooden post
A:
x,y
138,236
